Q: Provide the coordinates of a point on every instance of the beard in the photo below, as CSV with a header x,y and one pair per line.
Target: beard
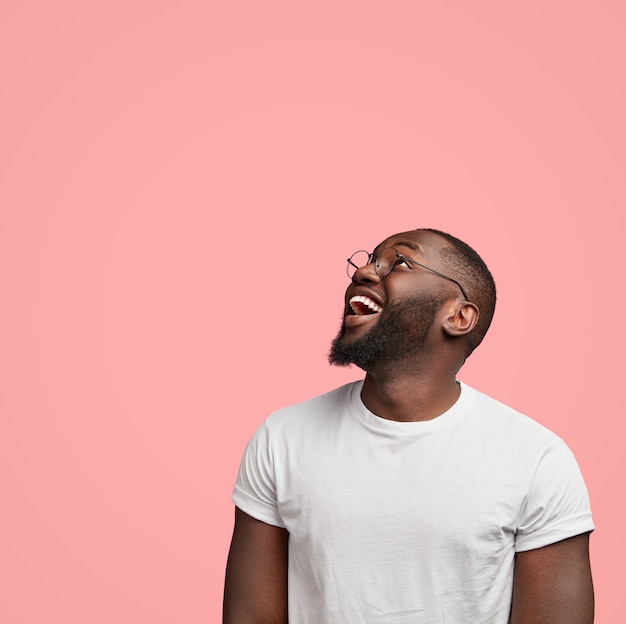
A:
x,y
399,334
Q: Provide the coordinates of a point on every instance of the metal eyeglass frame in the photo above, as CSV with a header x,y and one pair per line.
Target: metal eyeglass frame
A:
x,y
382,271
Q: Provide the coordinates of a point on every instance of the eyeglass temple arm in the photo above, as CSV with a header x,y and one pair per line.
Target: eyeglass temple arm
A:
x,y
439,274
450,279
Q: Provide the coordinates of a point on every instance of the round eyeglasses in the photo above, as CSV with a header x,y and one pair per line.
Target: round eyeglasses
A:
x,y
385,261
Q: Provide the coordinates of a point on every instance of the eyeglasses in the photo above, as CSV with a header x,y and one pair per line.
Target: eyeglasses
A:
x,y
386,261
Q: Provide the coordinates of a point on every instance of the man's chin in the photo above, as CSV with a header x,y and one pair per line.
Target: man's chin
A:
x,y
346,351
336,355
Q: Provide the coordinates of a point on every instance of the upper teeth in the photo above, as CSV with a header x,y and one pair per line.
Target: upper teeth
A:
x,y
365,301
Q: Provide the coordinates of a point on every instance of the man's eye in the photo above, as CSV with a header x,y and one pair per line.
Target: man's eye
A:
x,y
403,262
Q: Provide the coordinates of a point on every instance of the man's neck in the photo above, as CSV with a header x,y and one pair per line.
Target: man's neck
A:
x,y
408,398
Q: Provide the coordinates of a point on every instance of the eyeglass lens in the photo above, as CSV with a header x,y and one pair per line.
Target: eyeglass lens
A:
x,y
385,261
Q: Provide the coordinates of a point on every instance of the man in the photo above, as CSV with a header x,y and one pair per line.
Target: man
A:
x,y
409,497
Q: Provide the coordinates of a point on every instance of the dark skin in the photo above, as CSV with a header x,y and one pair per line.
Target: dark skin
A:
x,y
256,574
552,585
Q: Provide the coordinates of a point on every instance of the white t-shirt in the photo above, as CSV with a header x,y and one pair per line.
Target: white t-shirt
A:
x,y
397,523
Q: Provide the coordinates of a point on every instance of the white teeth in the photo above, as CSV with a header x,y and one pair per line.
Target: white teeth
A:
x,y
366,301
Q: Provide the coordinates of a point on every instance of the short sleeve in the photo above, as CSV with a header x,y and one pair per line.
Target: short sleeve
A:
x,y
255,487
557,504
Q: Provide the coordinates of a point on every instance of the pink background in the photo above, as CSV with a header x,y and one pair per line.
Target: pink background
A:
x,y
180,186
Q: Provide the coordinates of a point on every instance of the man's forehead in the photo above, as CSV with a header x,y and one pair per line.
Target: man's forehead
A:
x,y
419,241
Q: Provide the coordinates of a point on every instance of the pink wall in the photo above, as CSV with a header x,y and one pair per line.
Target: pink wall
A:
x,y
180,185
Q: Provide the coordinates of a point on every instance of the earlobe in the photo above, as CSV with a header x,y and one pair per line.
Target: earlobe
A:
x,y
462,318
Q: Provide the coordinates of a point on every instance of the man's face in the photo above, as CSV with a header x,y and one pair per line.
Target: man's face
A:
x,y
388,319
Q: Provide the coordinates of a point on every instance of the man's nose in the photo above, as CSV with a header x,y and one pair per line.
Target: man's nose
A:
x,y
366,274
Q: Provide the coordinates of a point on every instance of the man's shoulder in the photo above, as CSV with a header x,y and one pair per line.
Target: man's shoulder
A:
x,y
497,415
323,405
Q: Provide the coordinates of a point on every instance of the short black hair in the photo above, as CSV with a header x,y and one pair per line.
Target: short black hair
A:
x,y
467,267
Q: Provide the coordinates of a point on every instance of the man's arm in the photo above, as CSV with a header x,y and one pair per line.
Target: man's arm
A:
x,y
553,584
256,574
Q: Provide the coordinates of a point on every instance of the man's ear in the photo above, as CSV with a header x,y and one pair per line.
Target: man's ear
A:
x,y
461,318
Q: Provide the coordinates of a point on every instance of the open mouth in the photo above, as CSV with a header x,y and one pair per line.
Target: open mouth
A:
x,y
360,306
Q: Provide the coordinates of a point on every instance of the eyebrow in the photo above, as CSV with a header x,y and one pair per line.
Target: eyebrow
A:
x,y
413,246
